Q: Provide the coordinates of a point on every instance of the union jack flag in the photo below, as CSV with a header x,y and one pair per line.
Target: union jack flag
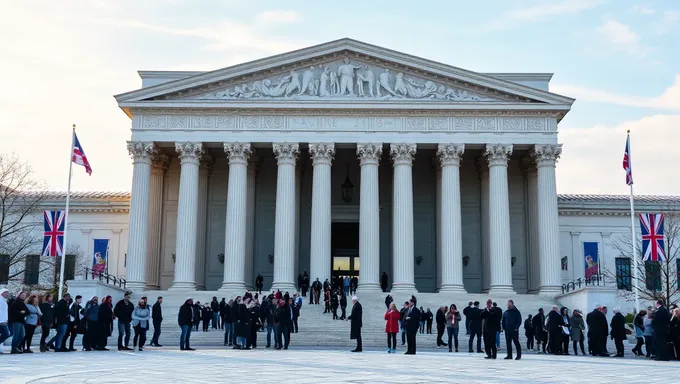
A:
x,y
53,241
626,162
652,237
78,155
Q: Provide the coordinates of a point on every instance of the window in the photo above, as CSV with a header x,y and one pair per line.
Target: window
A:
x,y
69,268
4,269
653,275
32,270
623,275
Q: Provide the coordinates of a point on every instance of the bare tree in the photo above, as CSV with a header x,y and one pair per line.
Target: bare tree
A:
x,y
656,280
21,198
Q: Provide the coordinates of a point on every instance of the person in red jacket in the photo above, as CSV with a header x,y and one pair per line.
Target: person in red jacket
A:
x,y
392,317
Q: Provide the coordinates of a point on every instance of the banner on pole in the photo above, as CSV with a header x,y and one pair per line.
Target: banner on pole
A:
x,y
591,259
101,256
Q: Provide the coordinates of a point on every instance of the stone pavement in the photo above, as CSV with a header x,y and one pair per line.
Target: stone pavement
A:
x,y
304,365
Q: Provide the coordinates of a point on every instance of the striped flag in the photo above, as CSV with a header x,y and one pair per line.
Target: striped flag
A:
x,y
53,239
626,162
78,155
651,225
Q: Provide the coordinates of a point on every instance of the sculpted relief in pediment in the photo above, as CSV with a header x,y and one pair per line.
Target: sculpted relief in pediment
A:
x,y
343,79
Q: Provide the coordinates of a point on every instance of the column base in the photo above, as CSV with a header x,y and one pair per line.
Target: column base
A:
x,y
457,288
200,288
501,290
152,288
233,286
404,288
369,288
284,287
183,286
550,290
135,286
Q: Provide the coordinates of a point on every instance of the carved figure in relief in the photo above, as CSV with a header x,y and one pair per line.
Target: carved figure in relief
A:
x,y
323,82
366,77
346,74
384,83
399,85
335,86
307,81
294,83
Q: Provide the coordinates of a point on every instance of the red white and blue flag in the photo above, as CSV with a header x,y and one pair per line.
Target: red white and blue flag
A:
x,y
652,237
53,241
78,155
626,163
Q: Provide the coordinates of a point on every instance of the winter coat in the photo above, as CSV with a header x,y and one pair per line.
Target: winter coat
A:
x,y
18,312
186,314
91,311
648,327
123,311
528,328
32,315
392,321
157,312
576,327
141,317
452,319
242,321
492,320
618,325
512,319
355,321
47,310
105,319
639,326
62,314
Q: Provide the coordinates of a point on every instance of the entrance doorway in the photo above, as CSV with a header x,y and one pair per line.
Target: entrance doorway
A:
x,y
345,250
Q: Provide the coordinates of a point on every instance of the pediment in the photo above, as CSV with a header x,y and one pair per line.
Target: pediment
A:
x,y
343,70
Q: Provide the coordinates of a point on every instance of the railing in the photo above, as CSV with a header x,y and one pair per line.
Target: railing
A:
x,y
597,279
103,276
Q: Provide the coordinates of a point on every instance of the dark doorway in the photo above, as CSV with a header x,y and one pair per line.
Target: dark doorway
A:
x,y
345,249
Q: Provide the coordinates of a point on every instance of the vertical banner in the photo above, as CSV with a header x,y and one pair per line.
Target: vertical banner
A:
x,y
101,256
591,259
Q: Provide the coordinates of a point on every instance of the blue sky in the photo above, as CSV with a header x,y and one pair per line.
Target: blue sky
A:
x,y
619,59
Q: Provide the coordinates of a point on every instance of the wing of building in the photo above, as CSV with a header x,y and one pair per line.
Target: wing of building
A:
x,y
348,159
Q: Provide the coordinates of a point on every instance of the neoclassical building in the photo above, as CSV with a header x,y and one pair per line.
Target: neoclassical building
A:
x,y
344,158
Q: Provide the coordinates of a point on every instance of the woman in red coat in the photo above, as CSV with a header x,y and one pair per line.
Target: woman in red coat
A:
x,y
392,327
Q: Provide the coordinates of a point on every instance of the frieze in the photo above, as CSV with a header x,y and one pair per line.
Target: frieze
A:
x,y
349,123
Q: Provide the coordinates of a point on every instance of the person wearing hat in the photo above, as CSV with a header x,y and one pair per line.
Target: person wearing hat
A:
x,y
355,325
4,317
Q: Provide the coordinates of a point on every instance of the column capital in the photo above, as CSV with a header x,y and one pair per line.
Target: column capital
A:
x,y
498,154
322,153
189,152
450,153
369,153
286,153
402,153
141,151
238,152
546,155
160,162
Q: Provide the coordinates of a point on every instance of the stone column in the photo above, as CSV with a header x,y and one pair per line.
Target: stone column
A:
x,y
402,218
160,164
548,227
499,219
578,263
187,216
139,214
451,239
237,204
483,172
204,170
533,262
369,217
320,244
438,220
253,169
284,229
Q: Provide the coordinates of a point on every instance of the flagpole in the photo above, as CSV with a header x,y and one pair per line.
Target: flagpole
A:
x,y
636,261
68,203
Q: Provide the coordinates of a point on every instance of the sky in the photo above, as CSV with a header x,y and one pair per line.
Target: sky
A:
x,y
62,62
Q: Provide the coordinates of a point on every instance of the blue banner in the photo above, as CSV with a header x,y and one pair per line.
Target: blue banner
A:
x,y
591,258
101,256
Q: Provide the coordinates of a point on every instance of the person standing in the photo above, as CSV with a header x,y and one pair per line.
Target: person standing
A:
x,y
46,322
91,324
452,319
123,312
555,324
467,321
157,319
618,331
566,325
538,323
392,318
104,323
228,325
412,325
440,318
140,323
576,329
17,315
76,324
356,323
512,321
660,324
674,332
648,333
474,316
185,320
402,322
62,318
343,306
489,330
215,312
4,318
529,332
597,332
31,321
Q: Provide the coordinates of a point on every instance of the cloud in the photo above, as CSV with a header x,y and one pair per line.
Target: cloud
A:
x,y
592,157
279,16
541,12
621,38
669,99
643,10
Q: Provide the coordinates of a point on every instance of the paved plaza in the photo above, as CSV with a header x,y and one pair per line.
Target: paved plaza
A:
x,y
300,365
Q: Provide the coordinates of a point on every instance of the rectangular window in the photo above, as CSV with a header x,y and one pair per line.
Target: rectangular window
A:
x,y
653,275
4,269
69,268
623,273
32,270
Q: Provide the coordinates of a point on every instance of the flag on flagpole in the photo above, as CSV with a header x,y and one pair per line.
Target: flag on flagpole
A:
x,y
626,162
78,155
53,240
652,237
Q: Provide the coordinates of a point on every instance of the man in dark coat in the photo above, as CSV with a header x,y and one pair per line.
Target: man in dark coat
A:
x,y
186,318
555,331
283,318
618,331
91,322
227,322
356,324
123,312
512,321
157,317
76,324
467,321
538,322
491,325
597,331
474,316
660,324
47,322
62,318
440,318
412,320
